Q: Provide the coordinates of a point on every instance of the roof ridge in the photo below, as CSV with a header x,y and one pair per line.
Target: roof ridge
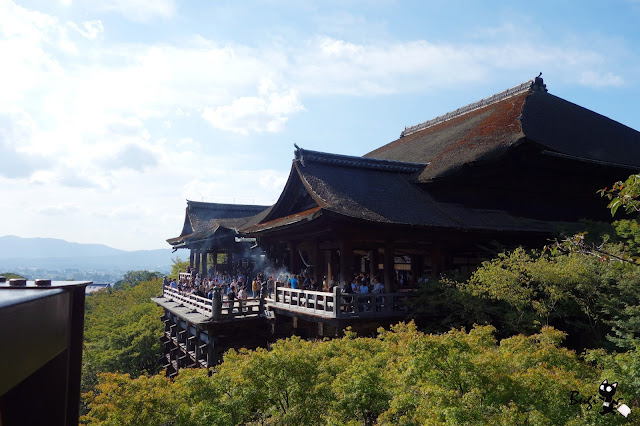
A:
x,y
533,84
303,155
216,206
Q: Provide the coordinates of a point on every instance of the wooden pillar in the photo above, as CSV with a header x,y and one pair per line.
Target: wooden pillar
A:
x,y
335,266
389,272
197,349
204,263
191,256
212,353
294,258
197,258
346,261
416,267
327,265
373,264
318,270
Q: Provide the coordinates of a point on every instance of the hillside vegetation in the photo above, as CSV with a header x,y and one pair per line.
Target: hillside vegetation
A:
x,y
518,367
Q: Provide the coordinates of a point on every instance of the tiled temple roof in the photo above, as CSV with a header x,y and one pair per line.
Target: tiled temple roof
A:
x,y
484,131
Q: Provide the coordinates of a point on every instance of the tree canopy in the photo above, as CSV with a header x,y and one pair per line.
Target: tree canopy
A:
x,y
402,376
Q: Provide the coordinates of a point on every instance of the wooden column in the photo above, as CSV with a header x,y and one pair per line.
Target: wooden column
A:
x,y
327,264
294,258
346,261
215,261
416,267
389,272
373,264
197,258
318,270
334,259
191,256
197,348
204,263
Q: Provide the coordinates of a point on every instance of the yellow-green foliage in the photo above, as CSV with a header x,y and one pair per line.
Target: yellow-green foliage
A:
x,y
401,377
122,332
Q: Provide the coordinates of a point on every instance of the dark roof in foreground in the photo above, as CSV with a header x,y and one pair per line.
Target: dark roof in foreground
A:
x,y
378,191
204,220
486,130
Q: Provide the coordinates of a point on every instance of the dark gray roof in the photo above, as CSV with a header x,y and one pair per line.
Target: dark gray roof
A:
x,y
485,131
380,191
206,220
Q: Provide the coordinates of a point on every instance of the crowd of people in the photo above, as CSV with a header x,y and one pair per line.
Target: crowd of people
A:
x,y
240,287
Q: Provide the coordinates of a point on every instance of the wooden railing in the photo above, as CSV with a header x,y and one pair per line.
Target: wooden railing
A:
x,y
204,306
316,303
340,305
184,275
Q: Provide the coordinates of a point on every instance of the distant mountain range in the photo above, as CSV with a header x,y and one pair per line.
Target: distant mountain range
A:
x,y
61,254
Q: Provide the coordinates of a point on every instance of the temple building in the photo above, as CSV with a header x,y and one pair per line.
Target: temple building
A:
x,y
511,169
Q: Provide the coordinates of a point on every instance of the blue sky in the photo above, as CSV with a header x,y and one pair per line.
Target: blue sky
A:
x,y
114,112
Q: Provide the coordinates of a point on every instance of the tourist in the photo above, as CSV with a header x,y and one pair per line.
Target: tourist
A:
x,y
255,287
242,297
354,285
270,284
231,297
293,282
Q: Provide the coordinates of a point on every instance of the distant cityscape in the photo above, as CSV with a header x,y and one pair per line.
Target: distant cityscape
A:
x,y
59,260
110,276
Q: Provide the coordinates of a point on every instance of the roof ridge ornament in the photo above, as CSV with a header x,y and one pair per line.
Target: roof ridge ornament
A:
x,y
299,154
538,84
535,84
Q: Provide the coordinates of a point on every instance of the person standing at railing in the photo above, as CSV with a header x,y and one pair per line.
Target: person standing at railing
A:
x,y
364,289
242,297
255,287
293,282
346,289
231,297
270,285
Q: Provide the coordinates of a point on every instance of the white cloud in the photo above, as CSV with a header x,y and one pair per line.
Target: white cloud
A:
x,y
132,156
598,79
59,210
89,29
140,10
267,112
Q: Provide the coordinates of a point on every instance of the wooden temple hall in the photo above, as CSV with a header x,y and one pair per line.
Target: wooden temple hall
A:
x,y
511,169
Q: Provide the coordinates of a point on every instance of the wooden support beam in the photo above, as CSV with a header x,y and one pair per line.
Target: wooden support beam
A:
x,y
346,261
294,258
373,264
389,271
197,258
204,263
318,270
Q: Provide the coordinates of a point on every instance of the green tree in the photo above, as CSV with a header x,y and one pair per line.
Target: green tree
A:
x,y
122,332
177,267
400,377
133,278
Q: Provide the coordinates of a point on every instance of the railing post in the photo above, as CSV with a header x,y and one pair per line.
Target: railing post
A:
x,y
336,301
263,295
